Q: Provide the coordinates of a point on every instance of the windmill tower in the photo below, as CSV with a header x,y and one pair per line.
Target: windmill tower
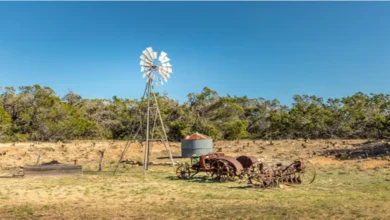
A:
x,y
156,72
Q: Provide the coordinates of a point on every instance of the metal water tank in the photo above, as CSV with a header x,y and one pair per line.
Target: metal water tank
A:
x,y
196,144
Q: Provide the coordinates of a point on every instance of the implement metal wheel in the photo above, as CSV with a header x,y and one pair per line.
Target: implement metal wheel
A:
x,y
183,171
307,173
221,171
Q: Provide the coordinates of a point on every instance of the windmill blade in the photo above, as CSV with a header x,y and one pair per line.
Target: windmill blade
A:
x,y
161,70
168,75
154,55
143,63
145,68
164,69
167,69
164,60
162,55
146,59
150,52
146,62
147,73
166,64
164,76
149,57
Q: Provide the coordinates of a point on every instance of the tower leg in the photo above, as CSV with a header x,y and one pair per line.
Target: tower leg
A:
x,y
146,149
166,143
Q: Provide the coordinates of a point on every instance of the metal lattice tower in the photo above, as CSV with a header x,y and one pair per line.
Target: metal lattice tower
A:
x,y
156,71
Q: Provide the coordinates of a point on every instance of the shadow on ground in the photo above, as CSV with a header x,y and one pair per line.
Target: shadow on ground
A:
x,y
248,187
195,179
376,150
174,157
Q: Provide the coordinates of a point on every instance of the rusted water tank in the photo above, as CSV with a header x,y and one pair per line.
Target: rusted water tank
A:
x,y
198,144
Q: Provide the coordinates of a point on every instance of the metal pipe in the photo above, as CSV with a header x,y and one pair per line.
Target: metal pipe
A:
x,y
146,149
167,147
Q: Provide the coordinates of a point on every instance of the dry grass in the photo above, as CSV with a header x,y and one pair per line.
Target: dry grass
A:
x,y
86,152
342,190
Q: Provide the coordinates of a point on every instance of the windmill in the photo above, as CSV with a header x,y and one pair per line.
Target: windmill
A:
x,y
156,71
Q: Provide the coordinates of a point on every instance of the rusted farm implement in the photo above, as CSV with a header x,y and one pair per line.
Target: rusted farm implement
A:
x,y
224,168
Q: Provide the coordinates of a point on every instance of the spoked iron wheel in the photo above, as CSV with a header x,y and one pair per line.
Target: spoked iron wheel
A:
x,y
183,171
222,171
308,172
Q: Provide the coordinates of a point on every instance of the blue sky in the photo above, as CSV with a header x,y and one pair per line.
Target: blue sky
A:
x,y
258,49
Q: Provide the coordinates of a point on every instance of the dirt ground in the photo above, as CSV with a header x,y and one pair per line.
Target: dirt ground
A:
x,y
13,155
343,189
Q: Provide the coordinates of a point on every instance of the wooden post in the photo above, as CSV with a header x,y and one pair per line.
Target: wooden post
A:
x,y
39,158
101,160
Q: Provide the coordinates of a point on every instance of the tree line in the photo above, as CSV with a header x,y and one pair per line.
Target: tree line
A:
x,y
35,113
